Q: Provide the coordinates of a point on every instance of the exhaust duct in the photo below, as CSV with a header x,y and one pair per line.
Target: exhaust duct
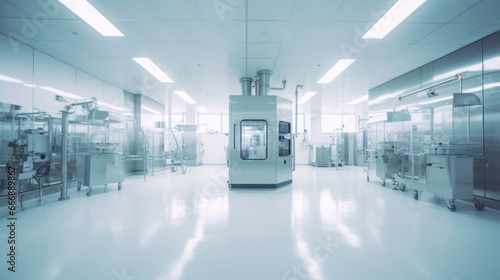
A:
x,y
246,86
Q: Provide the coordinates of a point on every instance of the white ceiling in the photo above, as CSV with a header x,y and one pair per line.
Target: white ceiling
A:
x,y
299,40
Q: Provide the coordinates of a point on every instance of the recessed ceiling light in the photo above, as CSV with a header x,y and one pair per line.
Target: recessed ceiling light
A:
x,y
359,100
90,15
399,12
153,69
306,97
338,68
185,96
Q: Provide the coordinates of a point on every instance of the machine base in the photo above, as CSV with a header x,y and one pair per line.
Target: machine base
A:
x,y
260,186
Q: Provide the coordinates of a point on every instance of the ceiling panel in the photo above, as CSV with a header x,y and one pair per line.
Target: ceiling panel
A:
x,y
127,47
448,33
100,48
263,50
269,9
8,10
173,9
54,10
66,48
221,10
68,28
192,50
441,11
362,10
116,9
158,49
222,51
183,31
384,51
266,31
409,33
483,12
314,10
225,31
416,51
141,30
296,50
298,32
31,32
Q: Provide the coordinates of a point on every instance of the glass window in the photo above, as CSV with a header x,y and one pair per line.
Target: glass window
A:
x,y
253,140
284,139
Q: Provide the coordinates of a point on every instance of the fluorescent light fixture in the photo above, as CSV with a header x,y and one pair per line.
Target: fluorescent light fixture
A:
x,y
202,109
306,97
149,109
111,106
153,69
9,79
338,68
90,15
359,100
399,12
62,93
30,85
186,97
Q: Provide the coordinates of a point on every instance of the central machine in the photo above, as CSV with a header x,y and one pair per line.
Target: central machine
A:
x,y
260,137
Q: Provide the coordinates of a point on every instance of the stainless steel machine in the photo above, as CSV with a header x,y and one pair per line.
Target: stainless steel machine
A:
x,y
436,150
102,162
380,155
321,155
260,138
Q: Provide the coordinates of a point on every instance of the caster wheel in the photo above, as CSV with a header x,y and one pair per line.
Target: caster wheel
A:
x,y
415,194
368,178
383,183
79,187
88,193
478,204
120,186
451,206
403,188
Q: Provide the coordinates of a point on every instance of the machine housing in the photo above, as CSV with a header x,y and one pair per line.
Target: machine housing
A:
x,y
260,142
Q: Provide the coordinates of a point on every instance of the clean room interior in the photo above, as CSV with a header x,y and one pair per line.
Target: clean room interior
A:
x,y
249,139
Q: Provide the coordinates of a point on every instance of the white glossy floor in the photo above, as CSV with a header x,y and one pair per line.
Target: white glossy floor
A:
x,y
328,225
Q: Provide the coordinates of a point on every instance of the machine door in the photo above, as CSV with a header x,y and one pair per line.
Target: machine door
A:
x,y
284,139
253,140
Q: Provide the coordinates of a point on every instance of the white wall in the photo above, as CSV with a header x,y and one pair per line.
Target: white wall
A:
x,y
214,149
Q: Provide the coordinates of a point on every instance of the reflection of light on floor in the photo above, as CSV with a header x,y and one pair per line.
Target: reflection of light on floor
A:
x,y
299,207
148,233
312,265
178,212
188,252
331,213
54,270
214,209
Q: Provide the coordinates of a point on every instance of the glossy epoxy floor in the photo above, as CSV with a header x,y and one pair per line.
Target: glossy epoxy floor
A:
x,y
328,225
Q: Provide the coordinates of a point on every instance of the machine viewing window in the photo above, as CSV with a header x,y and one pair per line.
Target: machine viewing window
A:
x,y
253,140
284,139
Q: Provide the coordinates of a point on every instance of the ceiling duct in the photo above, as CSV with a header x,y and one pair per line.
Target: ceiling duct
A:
x,y
246,86
263,82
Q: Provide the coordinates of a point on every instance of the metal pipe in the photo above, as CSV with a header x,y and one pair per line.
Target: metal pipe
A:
x,y
296,123
264,81
246,86
283,83
64,155
455,78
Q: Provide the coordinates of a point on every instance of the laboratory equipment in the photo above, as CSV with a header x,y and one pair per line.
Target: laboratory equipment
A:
x,y
102,162
436,150
380,155
260,141
192,145
321,155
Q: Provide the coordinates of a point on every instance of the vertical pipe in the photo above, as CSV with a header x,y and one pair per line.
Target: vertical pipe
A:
x,y
246,86
264,81
64,156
